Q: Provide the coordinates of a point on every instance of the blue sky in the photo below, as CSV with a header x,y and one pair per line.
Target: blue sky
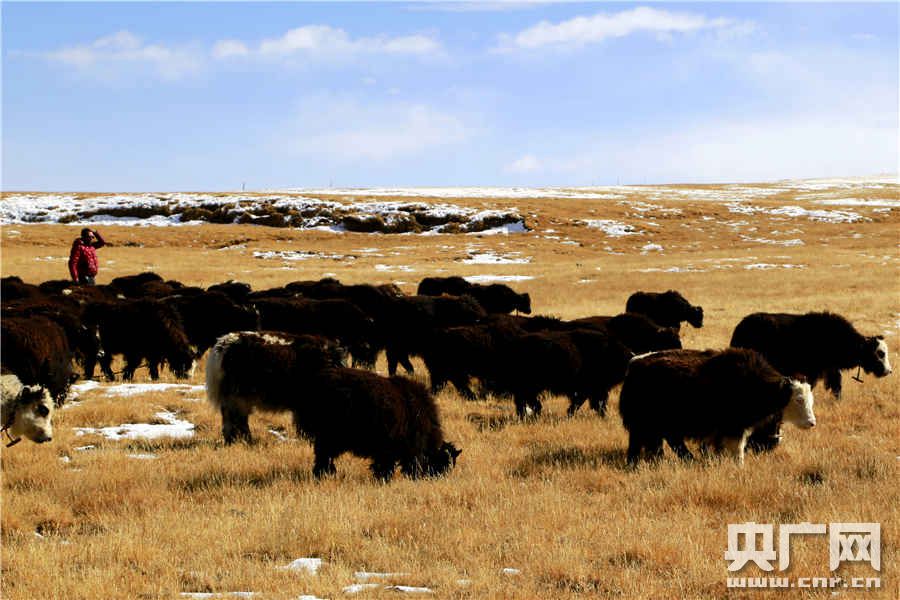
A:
x,y
206,96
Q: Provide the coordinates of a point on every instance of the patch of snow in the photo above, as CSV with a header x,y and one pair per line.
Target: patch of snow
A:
x,y
510,571
360,587
792,242
134,389
409,589
517,227
172,427
826,216
687,269
84,448
299,255
307,565
765,266
611,228
489,258
651,248
142,456
392,268
875,202
366,575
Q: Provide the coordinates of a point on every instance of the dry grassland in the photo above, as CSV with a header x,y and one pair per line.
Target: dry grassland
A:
x,y
551,498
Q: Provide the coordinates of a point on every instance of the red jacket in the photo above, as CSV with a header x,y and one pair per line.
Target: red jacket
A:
x,y
83,258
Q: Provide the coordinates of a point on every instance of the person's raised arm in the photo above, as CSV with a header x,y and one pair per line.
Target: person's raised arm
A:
x,y
74,255
100,241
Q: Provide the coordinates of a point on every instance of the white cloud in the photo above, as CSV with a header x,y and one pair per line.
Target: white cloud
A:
x,y
124,49
345,130
229,49
325,41
734,151
581,31
526,164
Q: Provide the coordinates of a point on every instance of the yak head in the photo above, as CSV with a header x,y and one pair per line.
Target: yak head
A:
x,y
874,356
799,409
439,462
33,410
524,303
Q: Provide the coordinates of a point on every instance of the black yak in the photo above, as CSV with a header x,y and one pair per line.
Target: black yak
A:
x,y
390,420
668,309
716,397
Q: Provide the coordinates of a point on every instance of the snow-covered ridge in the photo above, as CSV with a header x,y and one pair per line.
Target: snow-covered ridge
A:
x,y
273,210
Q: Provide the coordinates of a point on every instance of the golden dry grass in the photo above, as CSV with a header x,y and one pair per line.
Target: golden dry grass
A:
x,y
551,498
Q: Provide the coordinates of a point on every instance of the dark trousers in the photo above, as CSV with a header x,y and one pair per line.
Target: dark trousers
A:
x,y
85,280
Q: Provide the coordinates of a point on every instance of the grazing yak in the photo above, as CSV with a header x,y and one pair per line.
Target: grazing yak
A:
x,y
715,397
140,329
209,315
495,298
667,309
334,318
390,420
580,364
457,354
25,411
36,349
815,345
412,320
67,313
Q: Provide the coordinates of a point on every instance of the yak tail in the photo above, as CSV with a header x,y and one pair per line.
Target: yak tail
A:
x,y
215,373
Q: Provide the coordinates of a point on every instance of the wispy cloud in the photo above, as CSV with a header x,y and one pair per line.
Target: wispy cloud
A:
x,y
758,149
525,164
585,30
346,130
324,41
124,49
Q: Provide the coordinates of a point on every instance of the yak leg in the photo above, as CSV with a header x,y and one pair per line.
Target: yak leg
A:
x,y
735,447
766,437
106,367
153,364
324,461
638,442
461,383
383,468
394,357
522,399
677,446
90,363
575,402
833,382
598,402
634,449
132,361
235,425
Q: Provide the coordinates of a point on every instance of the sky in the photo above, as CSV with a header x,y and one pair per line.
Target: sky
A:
x,y
214,96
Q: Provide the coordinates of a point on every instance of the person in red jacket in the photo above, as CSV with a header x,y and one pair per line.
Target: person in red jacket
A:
x,y
83,265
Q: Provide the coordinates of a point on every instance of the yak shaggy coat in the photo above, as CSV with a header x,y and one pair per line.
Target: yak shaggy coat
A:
x,y
814,345
389,420
716,397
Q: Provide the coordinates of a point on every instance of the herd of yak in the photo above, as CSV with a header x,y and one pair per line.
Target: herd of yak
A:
x,y
288,349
